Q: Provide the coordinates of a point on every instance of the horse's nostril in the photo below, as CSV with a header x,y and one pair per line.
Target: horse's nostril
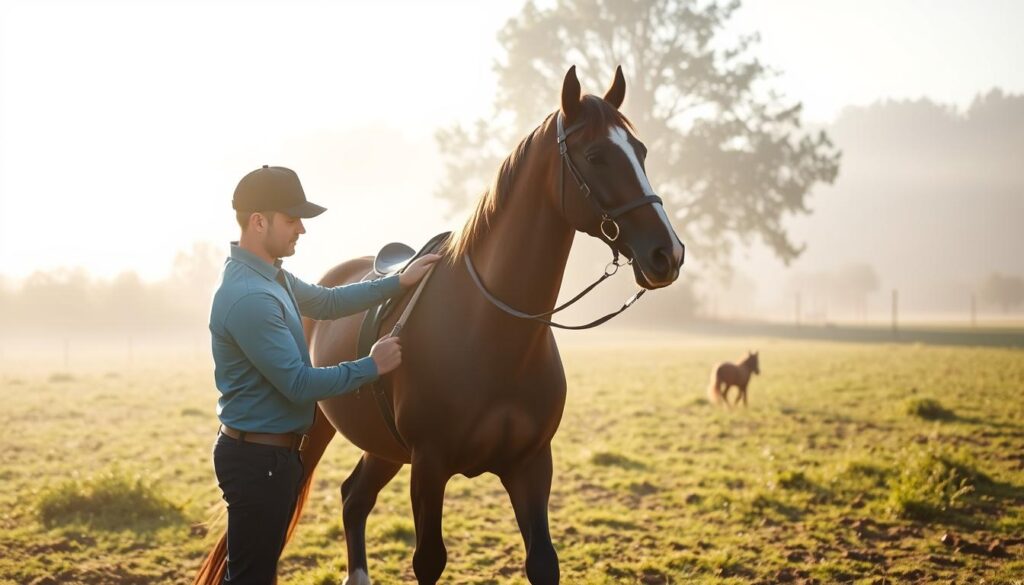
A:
x,y
661,261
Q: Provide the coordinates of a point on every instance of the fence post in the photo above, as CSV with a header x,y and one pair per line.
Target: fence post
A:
x,y
796,308
895,311
974,312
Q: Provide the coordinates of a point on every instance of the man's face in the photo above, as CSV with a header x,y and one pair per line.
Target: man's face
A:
x,y
281,233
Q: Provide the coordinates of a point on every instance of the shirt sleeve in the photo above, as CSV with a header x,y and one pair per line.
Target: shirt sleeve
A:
x,y
257,324
320,302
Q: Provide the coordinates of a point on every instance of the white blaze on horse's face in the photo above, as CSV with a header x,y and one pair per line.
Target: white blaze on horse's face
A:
x,y
619,137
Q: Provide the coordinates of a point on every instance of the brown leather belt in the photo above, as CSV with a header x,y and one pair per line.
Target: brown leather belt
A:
x,y
294,441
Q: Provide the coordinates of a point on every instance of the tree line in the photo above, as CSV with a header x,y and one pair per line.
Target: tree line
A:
x,y
70,300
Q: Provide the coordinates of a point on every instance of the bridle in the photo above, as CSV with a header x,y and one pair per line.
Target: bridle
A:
x,y
607,217
608,223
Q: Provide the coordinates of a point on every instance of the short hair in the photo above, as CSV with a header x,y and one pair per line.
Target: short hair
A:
x,y
243,217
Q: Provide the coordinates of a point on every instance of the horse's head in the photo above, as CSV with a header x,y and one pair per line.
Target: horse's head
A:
x,y
605,191
753,363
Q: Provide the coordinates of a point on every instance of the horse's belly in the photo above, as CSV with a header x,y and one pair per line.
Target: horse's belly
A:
x,y
356,415
358,418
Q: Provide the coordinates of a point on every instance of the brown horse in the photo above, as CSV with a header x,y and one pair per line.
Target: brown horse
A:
x,y
480,390
726,375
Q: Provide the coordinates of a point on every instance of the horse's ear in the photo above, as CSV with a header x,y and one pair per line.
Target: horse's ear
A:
x,y
617,92
571,96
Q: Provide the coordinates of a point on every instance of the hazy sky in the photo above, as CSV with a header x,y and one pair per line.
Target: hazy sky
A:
x,y
124,126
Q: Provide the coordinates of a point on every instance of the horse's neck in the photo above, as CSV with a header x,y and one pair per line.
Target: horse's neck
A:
x,y
746,367
522,257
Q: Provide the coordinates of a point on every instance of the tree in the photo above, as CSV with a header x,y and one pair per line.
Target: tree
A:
x,y
1005,291
725,151
194,276
855,282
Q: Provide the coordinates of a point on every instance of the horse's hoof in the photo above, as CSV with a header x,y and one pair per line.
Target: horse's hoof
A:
x,y
358,578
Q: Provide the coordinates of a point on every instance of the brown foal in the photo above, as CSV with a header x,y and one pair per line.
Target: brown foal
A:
x,y
726,375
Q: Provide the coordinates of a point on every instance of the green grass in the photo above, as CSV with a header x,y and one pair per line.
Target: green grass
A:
x,y
849,465
113,500
934,482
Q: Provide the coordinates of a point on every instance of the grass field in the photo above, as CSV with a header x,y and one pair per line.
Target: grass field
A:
x,y
854,463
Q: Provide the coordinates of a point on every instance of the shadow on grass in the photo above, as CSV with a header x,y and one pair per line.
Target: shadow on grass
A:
x,y
613,459
928,409
763,503
984,422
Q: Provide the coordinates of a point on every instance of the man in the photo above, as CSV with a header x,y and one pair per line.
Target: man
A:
x,y
268,387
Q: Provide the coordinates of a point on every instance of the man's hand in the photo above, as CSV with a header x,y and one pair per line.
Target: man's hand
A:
x,y
386,354
418,269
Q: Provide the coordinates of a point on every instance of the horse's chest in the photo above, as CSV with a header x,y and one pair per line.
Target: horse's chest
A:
x,y
502,436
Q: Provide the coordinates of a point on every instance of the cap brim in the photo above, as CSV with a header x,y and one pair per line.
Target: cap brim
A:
x,y
304,210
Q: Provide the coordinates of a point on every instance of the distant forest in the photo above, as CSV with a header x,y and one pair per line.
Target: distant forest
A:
x,y
71,301
931,197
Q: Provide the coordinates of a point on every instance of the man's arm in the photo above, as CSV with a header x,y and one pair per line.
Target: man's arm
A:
x,y
319,302
257,324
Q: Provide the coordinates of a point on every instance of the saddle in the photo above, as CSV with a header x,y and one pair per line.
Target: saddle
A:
x,y
391,259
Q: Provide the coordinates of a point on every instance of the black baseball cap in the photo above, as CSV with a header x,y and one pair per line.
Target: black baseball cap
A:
x,y
274,189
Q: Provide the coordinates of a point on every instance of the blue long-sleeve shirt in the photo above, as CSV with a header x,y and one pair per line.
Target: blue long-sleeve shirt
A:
x,y
261,363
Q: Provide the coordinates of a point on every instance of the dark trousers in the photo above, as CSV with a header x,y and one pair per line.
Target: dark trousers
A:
x,y
260,484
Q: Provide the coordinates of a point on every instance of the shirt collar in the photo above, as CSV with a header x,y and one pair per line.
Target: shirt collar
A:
x,y
255,262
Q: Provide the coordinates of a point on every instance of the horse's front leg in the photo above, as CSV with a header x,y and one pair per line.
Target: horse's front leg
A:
x,y
427,489
529,486
358,495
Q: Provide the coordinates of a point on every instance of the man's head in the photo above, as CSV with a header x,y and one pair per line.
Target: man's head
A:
x,y
275,232
269,206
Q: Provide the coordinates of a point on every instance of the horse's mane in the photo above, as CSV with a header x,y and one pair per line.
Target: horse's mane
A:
x,y
600,115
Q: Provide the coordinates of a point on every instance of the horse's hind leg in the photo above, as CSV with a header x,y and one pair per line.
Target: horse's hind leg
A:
x,y
427,486
358,495
529,487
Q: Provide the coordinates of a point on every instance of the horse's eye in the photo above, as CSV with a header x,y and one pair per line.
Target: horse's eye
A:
x,y
595,159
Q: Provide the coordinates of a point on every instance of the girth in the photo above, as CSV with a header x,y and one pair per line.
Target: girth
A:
x,y
369,331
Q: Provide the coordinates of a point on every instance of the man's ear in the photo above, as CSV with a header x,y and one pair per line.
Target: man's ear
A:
x,y
259,221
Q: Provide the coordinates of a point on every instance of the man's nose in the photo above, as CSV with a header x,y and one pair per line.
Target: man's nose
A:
x,y
302,228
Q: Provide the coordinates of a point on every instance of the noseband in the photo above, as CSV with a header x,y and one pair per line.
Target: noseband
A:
x,y
609,229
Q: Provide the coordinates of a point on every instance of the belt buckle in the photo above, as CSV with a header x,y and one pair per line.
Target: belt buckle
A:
x,y
302,443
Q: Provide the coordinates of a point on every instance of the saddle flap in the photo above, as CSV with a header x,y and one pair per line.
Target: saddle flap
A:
x,y
392,258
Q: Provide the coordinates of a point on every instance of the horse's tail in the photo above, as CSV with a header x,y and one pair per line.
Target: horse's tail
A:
x,y
212,570
713,394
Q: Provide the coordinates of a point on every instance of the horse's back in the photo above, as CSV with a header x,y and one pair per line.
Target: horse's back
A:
x,y
728,372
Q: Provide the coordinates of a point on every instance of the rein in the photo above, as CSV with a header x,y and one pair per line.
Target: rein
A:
x,y
608,218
